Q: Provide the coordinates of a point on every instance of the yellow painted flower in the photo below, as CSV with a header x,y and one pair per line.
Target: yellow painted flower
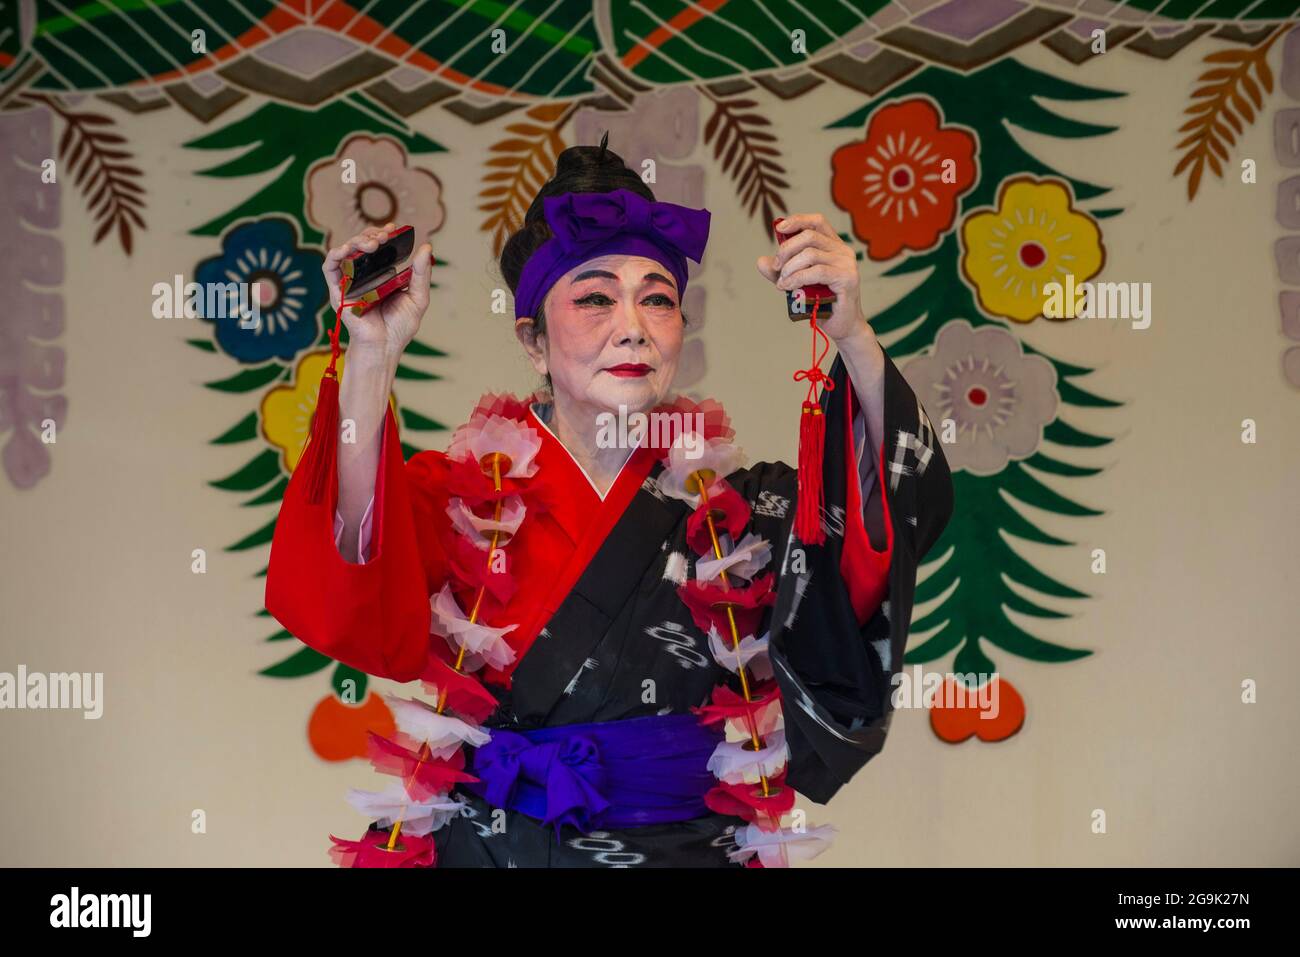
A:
x,y
1034,237
287,409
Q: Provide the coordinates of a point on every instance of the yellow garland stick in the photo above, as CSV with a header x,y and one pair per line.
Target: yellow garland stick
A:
x,y
701,481
473,618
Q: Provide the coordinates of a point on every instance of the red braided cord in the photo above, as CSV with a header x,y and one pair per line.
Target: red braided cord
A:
x,y
814,374
335,348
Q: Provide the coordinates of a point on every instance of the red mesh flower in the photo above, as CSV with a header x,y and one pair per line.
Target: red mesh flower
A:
x,y
703,598
470,569
735,516
728,704
372,851
503,404
747,801
707,417
422,778
467,480
466,696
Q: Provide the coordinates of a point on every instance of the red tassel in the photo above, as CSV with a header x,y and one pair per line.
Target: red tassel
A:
x,y
320,458
812,439
812,434
321,455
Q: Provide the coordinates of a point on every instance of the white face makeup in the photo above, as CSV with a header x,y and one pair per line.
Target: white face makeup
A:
x,y
613,334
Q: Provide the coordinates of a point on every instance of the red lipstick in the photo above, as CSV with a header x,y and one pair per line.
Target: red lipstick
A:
x,y
630,369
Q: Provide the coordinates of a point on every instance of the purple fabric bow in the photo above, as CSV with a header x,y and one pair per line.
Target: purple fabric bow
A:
x,y
606,774
568,772
588,225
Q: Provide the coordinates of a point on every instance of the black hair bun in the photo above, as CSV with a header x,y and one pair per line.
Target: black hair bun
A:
x,y
588,169
580,159
578,169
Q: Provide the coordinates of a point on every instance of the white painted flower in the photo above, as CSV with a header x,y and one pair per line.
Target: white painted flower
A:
x,y
382,189
980,389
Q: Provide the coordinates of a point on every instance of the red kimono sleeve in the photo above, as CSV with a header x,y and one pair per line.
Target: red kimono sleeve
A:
x,y
372,616
864,567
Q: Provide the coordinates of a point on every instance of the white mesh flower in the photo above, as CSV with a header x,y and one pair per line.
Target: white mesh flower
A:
x,y
752,653
443,733
418,817
734,763
781,847
482,643
745,559
719,455
478,529
485,434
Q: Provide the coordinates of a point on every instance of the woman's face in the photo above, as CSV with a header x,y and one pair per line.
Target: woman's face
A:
x,y
613,334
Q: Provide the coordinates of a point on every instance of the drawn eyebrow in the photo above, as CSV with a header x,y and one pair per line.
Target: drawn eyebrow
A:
x,y
603,274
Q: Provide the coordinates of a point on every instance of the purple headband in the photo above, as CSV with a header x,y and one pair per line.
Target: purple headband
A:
x,y
587,225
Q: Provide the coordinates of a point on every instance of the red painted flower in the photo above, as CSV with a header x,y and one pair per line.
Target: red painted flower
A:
x,y
902,182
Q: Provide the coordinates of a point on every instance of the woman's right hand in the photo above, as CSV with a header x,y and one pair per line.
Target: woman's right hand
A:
x,y
386,329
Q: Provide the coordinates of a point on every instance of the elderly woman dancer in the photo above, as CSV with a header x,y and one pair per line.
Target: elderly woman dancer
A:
x,y
632,652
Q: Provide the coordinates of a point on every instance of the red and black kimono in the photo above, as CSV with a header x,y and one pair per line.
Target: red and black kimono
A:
x,y
605,636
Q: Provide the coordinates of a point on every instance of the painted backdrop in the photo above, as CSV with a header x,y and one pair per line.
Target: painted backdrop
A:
x,y
974,152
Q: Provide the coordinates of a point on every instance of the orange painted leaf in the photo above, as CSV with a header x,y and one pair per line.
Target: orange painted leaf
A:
x,y
512,146
1228,56
1265,74
1252,89
1182,163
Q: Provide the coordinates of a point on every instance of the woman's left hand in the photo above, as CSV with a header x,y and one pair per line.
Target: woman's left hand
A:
x,y
816,254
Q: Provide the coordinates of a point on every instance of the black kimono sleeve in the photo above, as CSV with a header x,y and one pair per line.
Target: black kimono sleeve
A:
x,y
835,673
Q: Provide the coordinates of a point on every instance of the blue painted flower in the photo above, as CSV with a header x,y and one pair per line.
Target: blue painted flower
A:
x,y
290,290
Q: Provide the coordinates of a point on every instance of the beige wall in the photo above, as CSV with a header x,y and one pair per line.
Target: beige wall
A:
x,y
1200,533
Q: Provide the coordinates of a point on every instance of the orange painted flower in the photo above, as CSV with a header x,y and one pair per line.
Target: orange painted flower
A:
x,y
339,731
901,183
993,712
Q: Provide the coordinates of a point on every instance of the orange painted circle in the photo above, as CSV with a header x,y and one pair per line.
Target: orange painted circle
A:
x,y
337,731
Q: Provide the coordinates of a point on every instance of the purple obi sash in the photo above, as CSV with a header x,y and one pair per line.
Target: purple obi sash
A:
x,y
650,770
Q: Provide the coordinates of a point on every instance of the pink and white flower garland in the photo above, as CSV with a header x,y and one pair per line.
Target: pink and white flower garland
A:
x,y
727,598
491,455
